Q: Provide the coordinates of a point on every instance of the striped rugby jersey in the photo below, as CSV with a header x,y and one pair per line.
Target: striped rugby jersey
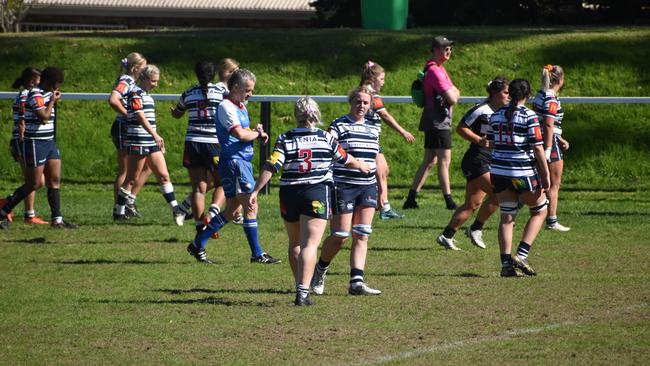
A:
x,y
139,101
362,141
512,155
546,104
230,116
202,111
123,86
39,99
373,116
305,156
478,120
18,109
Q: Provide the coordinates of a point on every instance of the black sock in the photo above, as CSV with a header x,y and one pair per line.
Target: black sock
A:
x,y
411,196
523,249
477,225
506,259
15,198
449,232
322,264
356,275
54,199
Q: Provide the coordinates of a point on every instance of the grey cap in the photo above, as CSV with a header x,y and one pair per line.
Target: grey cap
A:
x,y
441,42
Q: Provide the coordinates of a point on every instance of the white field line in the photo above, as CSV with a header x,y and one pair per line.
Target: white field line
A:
x,y
483,339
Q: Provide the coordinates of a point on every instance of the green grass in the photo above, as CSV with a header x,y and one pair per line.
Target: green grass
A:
x,y
130,294
609,144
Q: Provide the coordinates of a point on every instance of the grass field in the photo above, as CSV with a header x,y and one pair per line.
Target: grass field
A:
x,y
130,294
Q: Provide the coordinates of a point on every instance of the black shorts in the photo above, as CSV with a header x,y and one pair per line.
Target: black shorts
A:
x,y
201,155
556,152
437,139
142,150
473,166
349,196
37,152
519,185
313,200
118,133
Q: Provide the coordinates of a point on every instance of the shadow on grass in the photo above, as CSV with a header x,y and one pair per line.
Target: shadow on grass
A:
x,y
417,274
113,261
401,249
210,300
610,213
225,291
38,240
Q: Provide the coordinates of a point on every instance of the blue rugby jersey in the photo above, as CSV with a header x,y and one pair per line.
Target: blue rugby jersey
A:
x,y
478,120
361,140
546,104
512,155
305,156
124,85
18,109
38,99
230,116
202,111
139,101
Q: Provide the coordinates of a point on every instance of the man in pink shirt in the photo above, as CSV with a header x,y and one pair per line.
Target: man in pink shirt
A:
x,y
440,95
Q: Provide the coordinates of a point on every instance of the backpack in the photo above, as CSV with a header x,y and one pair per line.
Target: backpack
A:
x,y
417,88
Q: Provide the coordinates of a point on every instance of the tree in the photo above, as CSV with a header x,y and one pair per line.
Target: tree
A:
x,y
12,13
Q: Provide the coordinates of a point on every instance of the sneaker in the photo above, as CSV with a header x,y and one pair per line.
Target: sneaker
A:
x,y
361,288
523,265
265,259
120,217
10,215
558,227
447,243
318,280
238,220
131,210
408,205
390,214
199,255
509,271
303,301
35,220
179,215
476,236
63,225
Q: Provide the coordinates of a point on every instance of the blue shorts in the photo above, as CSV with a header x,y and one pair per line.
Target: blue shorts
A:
x,y
142,150
349,196
37,152
314,200
16,148
236,177
201,155
556,152
519,185
118,131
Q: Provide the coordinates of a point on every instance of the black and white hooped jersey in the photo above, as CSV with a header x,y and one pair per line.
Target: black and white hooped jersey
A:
x,y
201,109
38,99
139,101
18,109
373,116
512,155
361,140
123,87
306,155
546,104
478,120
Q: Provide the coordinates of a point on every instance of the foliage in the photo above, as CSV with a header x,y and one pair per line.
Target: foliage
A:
x,y
12,13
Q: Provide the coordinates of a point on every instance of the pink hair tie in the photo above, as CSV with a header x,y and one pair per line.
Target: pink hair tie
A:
x,y
370,63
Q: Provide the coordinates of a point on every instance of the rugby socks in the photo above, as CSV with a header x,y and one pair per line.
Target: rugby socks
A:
x,y
122,198
411,196
13,200
213,226
29,214
551,220
449,201
448,232
167,190
186,205
506,260
250,228
213,211
322,265
477,225
356,276
302,290
523,249
54,199
386,207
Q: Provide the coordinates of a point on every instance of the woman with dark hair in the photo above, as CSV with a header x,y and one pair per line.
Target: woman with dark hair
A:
x,y
473,127
519,173
39,150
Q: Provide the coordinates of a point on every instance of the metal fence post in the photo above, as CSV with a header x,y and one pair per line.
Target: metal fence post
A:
x,y
265,150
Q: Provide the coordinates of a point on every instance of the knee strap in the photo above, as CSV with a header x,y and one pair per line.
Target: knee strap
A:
x,y
363,230
509,208
539,207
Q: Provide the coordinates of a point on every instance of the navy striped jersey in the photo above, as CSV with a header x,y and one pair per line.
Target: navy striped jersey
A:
x,y
18,109
373,116
361,140
123,87
478,120
229,117
306,155
546,104
512,155
201,109
39,99
139,101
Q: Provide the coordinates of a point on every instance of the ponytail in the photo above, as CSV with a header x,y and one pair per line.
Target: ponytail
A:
x,y
205,72
519,90
551,76
370,73
128,64
26,76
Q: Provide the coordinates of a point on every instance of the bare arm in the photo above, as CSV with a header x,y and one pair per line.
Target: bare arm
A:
x,y
451,96
549,122
147,126
45,114
542,166
465,132
244,134
390,121
115,101
176,113
355,163
264,178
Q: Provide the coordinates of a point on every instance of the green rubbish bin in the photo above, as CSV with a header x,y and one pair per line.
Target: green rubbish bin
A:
x,y
384,14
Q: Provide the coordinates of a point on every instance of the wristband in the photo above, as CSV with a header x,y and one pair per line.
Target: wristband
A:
x,y
547,153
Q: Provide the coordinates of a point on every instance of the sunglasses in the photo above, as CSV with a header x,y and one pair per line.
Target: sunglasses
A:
x,y
448,48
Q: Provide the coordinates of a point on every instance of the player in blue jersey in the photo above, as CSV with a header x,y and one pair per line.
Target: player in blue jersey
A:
x,y
144,145
235,168
519,173
130,68
373,75
473,127
305,155
40,152
549,110
355,195
201,154
29,78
